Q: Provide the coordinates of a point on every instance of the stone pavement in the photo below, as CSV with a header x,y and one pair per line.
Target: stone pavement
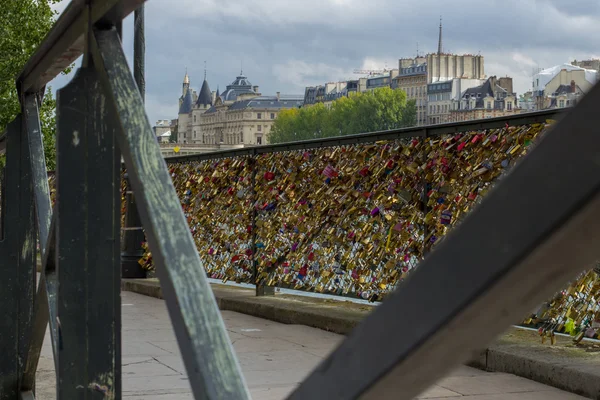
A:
x,y
274,358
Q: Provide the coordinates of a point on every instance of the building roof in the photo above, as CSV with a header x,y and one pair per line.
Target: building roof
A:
x,y
566,89
546,75
205,96
240,85
269,102
188,102
166,134
480,92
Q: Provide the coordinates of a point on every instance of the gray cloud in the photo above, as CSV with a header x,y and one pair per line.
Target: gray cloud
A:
x,y
286,45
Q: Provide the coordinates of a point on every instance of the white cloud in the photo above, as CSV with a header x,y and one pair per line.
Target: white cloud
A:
x,y
287,45
521,59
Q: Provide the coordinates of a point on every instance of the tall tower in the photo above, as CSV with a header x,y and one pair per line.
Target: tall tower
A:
x,y
439,52
440,38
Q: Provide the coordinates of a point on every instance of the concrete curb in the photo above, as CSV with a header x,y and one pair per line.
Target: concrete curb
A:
x,y
517,352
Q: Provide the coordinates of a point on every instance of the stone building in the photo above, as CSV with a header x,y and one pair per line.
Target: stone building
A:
x,y
412,78
164,128
238,116
325,94
494,98
442,96
560,80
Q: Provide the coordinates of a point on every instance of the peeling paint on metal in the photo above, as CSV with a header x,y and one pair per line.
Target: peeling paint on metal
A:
x,y
75,138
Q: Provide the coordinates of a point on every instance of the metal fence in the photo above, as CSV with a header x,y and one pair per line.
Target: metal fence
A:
x,y
532,232
351,219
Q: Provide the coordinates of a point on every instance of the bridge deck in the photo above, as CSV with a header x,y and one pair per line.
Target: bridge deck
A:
x,y
274,358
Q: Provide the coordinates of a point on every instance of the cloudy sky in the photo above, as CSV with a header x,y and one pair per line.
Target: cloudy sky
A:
x,y
286,45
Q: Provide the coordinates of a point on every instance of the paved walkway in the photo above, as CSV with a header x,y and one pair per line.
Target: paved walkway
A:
x,y
274,358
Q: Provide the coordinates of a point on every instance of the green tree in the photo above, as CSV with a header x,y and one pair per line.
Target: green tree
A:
x,y
285,126
409,114
377,110
24,25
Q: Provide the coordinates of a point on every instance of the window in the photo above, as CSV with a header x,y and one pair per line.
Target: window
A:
x,y
194,134
489,105
259,140
241,137
272,115
258,115
509,106
561,103
259,128
194,118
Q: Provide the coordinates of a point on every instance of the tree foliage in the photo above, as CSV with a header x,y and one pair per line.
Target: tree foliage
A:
x,y
24,24
378,110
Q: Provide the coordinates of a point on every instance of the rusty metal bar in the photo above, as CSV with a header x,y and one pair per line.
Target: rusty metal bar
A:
x,y
511,253
207,352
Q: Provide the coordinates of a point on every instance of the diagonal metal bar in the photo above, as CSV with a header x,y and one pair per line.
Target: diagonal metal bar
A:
x,y
39,177
44,311
207,352
531,233
39,173
65,42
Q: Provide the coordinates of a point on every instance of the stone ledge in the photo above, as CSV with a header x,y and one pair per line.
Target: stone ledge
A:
x,y
517,352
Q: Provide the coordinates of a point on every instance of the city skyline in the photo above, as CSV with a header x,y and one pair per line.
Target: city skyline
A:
x,y
286,47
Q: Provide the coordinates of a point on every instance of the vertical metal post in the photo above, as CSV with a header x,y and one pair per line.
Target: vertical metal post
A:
x,y
139,50
261,287
132,249
88,219
17,255
2,201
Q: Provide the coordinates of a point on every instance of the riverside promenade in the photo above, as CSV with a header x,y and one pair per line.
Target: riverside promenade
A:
x,y
275,357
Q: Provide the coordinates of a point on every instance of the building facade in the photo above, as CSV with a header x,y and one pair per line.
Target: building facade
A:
x,y
245,121
164,128
325,94
238,116
442,97
567,80
593,64
444,67
493,98
412,78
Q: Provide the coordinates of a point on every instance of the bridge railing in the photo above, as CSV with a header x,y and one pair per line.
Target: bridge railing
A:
x,y
531,233
349,215
100,116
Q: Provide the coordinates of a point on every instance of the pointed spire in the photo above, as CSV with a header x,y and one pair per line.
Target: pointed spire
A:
x,y
204,70
440,39
217,95
242,67
186,78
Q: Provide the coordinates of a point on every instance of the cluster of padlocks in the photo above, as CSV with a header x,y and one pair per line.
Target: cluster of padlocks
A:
x,y
350,220
355,220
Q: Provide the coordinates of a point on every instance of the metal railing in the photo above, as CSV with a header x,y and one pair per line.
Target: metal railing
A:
x,y
532,232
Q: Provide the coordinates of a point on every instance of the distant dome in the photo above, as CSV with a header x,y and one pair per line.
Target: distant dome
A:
x,y
241,85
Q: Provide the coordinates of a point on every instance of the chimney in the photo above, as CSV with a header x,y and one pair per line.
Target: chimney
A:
x,y
255,88
278,95
572,86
